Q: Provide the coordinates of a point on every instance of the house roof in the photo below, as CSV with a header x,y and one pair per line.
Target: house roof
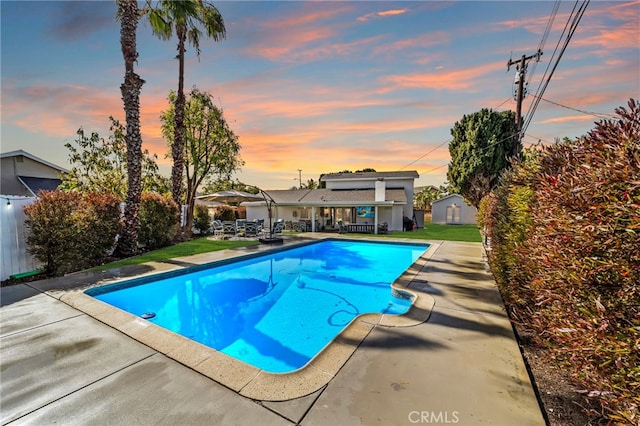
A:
x,y
446,197
20,152
332,197
405,174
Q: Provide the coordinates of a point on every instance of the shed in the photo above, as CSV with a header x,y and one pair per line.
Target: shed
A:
x,y
452,209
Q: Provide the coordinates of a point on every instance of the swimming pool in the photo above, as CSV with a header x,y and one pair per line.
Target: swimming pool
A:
x,y
278,310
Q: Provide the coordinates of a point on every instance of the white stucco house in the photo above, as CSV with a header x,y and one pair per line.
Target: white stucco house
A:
x,y
453,210
361,198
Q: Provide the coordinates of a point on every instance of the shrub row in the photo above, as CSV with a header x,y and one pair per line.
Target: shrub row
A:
x,y
70,231
564,225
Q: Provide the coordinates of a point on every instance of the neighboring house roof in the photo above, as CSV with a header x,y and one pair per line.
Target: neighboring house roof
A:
x,y
35,184
324,197
32,157
446,197
411,174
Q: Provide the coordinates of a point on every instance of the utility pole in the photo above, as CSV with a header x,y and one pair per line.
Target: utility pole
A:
x,y
521,67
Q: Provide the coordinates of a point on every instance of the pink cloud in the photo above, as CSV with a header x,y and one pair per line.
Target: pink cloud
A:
x,y
384,13
461,79
422,42
288,39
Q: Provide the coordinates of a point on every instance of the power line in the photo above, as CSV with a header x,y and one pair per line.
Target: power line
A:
x,y
545,35
478,151
538,138
595,114
445,142
424,155
545,83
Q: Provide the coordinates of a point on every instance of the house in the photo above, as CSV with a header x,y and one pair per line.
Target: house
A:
x,y
361,198
25,174
453,210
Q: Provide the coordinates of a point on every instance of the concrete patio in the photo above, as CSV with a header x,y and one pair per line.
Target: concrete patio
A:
x,y
461,366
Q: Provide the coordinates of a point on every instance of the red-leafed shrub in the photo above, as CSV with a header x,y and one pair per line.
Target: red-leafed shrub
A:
x,y
72,231
159,220
225,213
565,232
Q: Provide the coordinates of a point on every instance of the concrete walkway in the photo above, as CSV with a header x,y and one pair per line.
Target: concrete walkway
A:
x,y
462,366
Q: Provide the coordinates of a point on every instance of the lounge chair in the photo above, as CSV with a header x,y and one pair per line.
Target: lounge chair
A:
x,y
342,228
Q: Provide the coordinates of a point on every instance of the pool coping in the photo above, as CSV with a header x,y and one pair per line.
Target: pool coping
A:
x,y
246,379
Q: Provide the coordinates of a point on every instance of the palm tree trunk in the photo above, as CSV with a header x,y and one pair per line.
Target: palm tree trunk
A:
x,y
177,149
130,89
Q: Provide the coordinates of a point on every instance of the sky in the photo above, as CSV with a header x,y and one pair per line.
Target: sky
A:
x,y
322,87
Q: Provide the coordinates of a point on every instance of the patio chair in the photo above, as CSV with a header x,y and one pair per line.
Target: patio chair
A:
x,y
383,228
342,228
278,227
218,229
229,228
240,225
300,226
251,229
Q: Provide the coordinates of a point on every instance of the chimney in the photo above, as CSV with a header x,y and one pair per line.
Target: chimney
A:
x,y
381,188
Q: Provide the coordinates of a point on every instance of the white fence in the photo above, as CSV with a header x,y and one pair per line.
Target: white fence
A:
x,y
13,246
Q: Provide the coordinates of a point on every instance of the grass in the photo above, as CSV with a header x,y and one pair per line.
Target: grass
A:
x,y
466,233
188,248
431,231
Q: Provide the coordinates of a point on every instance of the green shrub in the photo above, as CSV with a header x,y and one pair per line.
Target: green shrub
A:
x,y
565,230
506,216
159,219
201,219
70,231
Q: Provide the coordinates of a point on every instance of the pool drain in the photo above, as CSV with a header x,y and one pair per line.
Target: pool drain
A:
x,y
148,315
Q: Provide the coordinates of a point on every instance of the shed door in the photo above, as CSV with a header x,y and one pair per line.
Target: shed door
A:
x,y
453,214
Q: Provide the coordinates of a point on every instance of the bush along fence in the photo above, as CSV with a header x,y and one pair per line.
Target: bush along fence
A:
x,y
564,225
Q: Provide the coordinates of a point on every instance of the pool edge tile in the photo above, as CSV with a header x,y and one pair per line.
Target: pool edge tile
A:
x,y
282,387
336,354
227,371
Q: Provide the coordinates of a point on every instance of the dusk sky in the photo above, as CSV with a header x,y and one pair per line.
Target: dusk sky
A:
x,y
320,86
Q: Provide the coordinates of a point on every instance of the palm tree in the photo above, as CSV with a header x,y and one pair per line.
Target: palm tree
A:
x,y
129,15
185,16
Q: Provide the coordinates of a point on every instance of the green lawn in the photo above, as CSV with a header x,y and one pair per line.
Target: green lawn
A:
x,y
469,233
196,246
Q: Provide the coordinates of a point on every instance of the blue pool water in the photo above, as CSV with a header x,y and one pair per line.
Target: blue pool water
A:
x,y
278,310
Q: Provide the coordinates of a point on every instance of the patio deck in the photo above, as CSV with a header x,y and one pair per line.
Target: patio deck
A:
x,y
461,366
